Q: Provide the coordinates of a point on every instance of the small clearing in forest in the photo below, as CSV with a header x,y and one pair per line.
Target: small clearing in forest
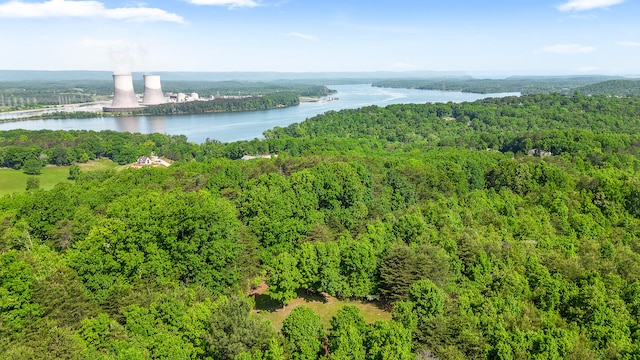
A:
x,y
325,305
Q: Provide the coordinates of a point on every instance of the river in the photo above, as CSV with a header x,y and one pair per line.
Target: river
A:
x,y
227,127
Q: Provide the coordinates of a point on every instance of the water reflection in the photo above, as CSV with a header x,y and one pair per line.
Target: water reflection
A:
x,y
128,123
156,124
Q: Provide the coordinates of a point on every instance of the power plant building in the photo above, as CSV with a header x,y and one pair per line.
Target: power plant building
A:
x,y
124,97
153,94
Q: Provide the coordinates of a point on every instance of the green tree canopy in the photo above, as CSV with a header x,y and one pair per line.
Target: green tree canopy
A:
x,y
302,330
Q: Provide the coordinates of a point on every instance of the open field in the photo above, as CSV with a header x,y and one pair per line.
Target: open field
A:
x,y
325,306
12,181
102,164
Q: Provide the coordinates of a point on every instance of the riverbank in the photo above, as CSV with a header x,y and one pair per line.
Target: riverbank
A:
x,y
93,108
247,125
187,108
310,99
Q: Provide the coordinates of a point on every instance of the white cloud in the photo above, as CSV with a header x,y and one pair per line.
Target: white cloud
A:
x,y
628,43
142,14
582,5
567,49
302,36
583,16
229,3
66,8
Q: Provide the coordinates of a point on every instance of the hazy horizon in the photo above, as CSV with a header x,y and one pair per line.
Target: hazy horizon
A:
x,y
276,76
495,38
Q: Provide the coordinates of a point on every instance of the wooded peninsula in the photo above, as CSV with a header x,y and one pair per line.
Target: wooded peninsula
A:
x,y
505,228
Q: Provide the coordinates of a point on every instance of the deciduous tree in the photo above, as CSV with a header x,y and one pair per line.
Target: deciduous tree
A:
x,y
302,330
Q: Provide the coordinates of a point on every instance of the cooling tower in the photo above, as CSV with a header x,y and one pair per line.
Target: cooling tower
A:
x,y
124,98
152,90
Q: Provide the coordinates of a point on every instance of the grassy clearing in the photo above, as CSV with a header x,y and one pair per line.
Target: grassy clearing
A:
x,y
325,307
12,181
102,164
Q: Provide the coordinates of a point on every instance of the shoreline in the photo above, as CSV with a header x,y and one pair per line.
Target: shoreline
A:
x,y
99,113
93,107
310,99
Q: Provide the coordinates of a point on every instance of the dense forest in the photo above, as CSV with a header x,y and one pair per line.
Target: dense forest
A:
x,y
524,85
613,87
506,228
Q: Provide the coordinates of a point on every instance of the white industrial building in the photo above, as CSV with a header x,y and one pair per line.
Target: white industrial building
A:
x,y
125,99
152,91
124,96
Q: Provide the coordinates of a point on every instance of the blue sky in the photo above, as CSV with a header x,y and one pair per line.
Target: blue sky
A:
x,y
475,37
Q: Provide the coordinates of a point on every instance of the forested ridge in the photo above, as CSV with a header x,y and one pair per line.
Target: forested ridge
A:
x,y
434,210
527,85
614,87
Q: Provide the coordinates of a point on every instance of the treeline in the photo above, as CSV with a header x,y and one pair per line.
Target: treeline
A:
x,y
477,254
241,88
523,85
57,115
613,87
551,122
66,147
251,103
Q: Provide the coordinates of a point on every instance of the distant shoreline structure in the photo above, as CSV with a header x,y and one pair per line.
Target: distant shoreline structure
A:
x,y
321,99
124,96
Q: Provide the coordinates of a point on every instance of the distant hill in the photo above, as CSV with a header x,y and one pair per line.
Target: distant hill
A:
x,y
319,77
522,84
630,87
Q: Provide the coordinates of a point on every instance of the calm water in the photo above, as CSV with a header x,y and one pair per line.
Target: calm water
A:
x,y
228,127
